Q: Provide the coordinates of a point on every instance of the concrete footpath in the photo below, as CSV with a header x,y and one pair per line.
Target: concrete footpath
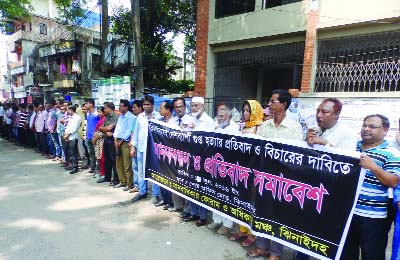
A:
x,y
46,213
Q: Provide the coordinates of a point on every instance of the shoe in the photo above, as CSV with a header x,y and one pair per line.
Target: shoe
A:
x,y
85,167
156,200
173,209
213,226
166,207
73,171
91,171
184,215
51,157
111,184
201,222
160,203
68,168
101,180
120,185
223,231
190,218
139,197
126,188
133,190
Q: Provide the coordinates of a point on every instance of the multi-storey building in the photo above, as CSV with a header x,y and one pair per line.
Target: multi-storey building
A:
x,y
245,49
49,59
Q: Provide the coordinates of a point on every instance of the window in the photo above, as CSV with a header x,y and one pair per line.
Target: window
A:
x,y
360,63
273,3
43,28
224,8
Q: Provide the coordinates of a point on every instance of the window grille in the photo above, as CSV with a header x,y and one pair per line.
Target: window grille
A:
x,y
364,63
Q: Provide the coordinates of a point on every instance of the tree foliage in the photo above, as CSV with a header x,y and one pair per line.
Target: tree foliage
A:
x,y
70,10
158,18
11,9
21,10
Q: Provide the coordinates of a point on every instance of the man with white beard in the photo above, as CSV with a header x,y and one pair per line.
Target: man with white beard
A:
x,y
224,125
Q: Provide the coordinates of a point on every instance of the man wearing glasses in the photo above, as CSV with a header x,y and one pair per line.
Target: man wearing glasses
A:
x,y
278,127
368,228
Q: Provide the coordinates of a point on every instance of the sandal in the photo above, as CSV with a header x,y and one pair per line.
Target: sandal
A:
x,y
133,190
256,253
237,236
248,241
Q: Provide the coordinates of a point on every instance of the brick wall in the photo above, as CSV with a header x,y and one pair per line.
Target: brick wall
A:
x,y
201,47
311,34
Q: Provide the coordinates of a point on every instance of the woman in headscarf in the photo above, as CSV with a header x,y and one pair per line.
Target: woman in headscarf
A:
x,y
252,118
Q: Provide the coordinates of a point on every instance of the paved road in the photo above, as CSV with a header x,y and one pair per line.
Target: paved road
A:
x,y
48,214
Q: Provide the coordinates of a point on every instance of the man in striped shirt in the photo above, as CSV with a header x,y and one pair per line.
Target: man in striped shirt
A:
x,y
368,230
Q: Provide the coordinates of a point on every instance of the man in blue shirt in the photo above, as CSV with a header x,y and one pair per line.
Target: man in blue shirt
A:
x,y
122,137
368,230
92,118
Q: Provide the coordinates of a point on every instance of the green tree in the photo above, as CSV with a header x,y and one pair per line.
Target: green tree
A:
x,y
11,9
158,17
21,10
71,10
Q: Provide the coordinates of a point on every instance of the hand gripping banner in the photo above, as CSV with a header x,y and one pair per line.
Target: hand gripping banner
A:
x,y
282,190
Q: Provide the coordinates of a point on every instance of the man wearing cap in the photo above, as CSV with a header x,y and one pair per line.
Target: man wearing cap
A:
x,y
202,122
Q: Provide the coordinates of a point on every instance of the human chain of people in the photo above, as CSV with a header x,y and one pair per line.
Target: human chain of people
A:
x,y
198,163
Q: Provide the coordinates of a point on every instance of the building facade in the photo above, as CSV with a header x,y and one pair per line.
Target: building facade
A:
x,y
245,49
50,60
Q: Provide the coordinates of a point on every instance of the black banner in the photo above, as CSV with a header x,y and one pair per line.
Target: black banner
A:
x,y
285,191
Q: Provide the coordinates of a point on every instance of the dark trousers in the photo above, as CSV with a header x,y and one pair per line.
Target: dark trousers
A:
x,y
9,131
22,135
92,155
43,143
110,170
166,196
65,149
73,152
2,126
37,140
50,144
30,138
367,234
85,146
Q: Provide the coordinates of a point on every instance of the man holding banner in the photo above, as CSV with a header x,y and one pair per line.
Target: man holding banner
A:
x,y
201,121
368,230
278,127
330,133
138,148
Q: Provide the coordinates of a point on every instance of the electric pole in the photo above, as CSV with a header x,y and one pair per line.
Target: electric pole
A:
x,y
135,9
104,34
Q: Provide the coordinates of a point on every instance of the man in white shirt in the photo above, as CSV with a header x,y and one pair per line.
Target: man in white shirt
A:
x,y
71,134
202,122
180,119
224,116
139,146
331,133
